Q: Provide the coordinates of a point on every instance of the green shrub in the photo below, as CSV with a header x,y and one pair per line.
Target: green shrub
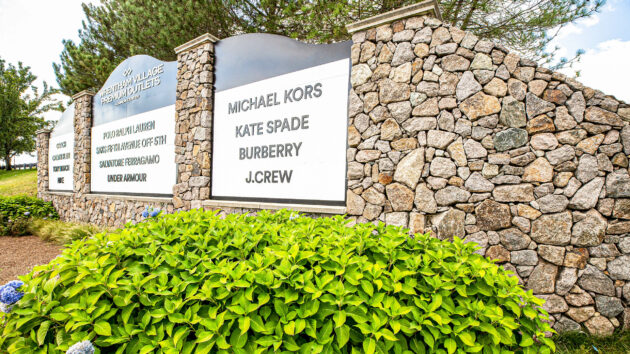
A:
x,y
61,232
17,211
22,206
192,282
14,227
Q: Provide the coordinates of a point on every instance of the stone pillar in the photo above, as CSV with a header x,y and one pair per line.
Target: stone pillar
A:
x,y
193,121
82,152
43,140
374,192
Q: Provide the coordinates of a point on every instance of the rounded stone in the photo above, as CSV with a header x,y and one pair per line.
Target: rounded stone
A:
x,y
443,167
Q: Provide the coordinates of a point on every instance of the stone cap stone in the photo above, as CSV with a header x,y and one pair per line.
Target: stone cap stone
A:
x,y
323,209
204,38
87,92
43,131
429,7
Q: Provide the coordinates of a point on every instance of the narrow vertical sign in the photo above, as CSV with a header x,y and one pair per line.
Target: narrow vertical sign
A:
x,y
61,153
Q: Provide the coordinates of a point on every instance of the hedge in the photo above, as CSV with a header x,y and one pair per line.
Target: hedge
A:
x,y
193,282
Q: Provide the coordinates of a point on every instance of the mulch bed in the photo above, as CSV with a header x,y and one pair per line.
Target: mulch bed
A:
x,y
18,255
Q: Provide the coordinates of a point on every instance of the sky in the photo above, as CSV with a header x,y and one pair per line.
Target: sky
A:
x,y
32,31
605,37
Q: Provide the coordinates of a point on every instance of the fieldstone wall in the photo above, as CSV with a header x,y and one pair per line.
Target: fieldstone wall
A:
x,y
82,153
457,136
449,134
42,144
193,127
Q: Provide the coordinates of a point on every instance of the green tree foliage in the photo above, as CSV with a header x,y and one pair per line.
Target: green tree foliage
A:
x,y
117,29
21,106
194,282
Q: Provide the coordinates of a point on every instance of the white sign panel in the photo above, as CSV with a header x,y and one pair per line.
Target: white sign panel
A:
x,y
135,155
61,162
283,138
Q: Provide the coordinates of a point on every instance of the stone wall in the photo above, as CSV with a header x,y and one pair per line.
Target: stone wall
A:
x,y
457,136
42,144
193,122
448,134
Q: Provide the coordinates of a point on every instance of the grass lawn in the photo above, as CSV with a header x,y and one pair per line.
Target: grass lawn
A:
x,y
18,182
580,343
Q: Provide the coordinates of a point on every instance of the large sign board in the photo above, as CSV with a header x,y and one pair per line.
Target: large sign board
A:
x,y
133,133
61,153
280,120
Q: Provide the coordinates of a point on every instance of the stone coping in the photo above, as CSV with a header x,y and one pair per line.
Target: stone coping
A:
x,y
83,93
324,209
429,7
204,38
133,198
43,130
63,194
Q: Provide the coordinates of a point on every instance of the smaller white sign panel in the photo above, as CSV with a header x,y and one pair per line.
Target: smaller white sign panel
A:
x,y
283,138
61,162
135,155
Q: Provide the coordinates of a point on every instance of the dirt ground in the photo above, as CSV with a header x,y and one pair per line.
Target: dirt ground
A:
x,y
18,255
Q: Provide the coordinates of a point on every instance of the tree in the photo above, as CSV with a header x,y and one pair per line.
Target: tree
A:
x,y
117,29
21,106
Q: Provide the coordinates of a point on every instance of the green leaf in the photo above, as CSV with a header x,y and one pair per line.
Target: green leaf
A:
x,y
243,324
527,341
367,287
42,331
238,339
180,333
529,312
467,338
450,345
342,334
369,345
102,328
289,328
340,318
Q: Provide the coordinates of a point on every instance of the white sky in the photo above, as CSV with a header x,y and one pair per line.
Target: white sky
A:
x,y
606,39
31,31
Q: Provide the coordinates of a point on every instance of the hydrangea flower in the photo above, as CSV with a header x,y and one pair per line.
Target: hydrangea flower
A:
x,y
5,308
15,284
9,296
84,347
150,212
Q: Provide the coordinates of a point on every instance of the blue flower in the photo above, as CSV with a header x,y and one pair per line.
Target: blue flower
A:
x,y
26,213
9,296
155,213
5,308
84,347
15,284
145,213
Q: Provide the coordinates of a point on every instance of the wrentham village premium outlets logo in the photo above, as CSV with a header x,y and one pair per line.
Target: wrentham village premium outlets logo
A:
x,y
130,88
